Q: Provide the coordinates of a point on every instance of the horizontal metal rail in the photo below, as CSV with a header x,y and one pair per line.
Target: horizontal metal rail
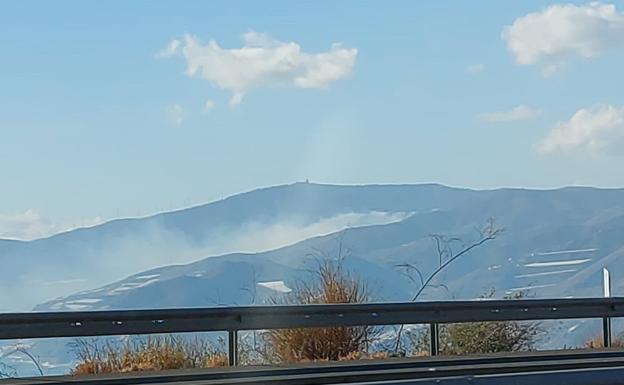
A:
x,y
122,322
235,319
432,369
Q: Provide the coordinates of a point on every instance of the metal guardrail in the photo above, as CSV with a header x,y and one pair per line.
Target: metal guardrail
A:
x,y
603,367
235,319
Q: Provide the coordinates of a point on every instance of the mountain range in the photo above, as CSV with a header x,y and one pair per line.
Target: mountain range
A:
x,y
260,220
555,243
258,245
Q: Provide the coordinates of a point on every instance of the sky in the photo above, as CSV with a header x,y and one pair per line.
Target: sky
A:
x,y
120,109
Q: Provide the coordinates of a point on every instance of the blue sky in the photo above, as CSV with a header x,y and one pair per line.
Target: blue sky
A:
x,y
98,121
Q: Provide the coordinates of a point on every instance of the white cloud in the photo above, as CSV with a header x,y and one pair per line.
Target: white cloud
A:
x,y
209,105
517,113
263,62
474,69
170,50
31,225
561,31
174,114
599,128
26,225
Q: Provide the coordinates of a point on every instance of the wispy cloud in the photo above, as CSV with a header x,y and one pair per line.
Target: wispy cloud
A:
x,y
256,237
517,113
30,224
208,106
474,69
174,114
595,129
157,245
562,31
262,62
169,50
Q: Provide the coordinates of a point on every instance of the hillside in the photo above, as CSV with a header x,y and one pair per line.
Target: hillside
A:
x,y
255,221
555,244
392,225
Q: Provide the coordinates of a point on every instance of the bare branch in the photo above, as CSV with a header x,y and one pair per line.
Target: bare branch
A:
x,y
409,267
24,351
446,256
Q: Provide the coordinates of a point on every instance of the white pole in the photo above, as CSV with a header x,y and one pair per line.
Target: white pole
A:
x,y
606,283
606,322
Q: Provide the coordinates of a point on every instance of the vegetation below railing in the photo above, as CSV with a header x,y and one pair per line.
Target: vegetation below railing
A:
x,y
146,354
598,342
331,284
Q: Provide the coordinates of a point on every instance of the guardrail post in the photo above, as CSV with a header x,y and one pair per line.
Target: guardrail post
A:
x,y
435,339
233,347
606,332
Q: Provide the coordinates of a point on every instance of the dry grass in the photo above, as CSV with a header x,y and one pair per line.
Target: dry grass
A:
x,y
332,284
146,354
597,343
356,356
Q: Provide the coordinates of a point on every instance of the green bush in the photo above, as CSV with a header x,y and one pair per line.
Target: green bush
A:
x,y
481,337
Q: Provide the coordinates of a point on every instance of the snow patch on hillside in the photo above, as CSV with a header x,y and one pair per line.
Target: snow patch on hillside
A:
x,y
575,251
546,273
567,262
278,286
131,286
150,276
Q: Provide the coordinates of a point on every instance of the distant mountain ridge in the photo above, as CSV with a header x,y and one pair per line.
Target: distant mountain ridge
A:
x,y
555,244
121,247
536,220
547,259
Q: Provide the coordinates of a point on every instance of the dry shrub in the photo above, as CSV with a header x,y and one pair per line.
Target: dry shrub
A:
x,y
332,284
356,356
598,343
145,354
